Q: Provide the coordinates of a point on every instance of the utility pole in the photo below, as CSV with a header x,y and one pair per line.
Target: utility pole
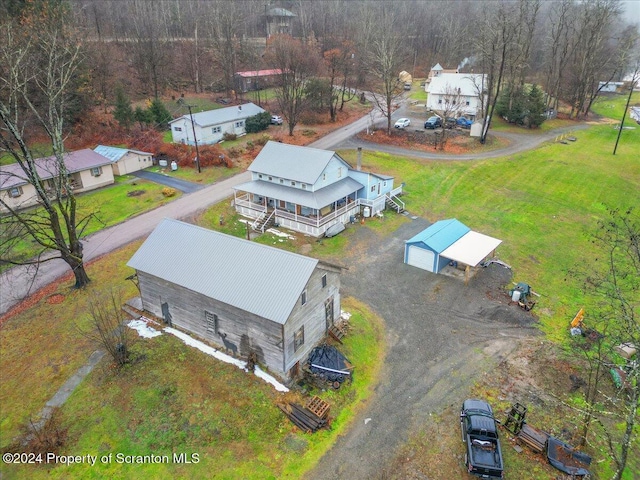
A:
x,y
634,79
195,140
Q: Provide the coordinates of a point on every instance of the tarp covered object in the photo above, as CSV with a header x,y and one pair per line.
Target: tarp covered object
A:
x,y
335,366
566,459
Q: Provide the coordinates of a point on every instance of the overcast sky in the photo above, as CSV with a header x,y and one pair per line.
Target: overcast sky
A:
x,y
632,10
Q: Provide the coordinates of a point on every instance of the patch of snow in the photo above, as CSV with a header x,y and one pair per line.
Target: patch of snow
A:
x,y
345,315
278,233
143,329
192,342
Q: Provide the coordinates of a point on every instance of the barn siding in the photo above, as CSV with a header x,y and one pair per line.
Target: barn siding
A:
x,y
311,315
187,308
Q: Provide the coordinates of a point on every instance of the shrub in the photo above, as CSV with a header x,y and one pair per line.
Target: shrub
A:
x,y
234,152
257,123
229,136
262,141
169,192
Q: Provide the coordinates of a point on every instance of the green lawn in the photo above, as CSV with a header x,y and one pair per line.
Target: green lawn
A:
x,y
206,176
543,204
612,106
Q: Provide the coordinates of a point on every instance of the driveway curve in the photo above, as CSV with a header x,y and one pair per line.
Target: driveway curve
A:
x,y
177,183
442,335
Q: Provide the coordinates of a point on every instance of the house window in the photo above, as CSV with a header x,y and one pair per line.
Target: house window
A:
x,y
304,186
96,171
239,124
293,184
303,298
177,129
270,179
339,172
453,101
281,180
324,280
259,175
211,322
385,184
216,129
324,176
467,102
15,192
440,101
373,188
298,338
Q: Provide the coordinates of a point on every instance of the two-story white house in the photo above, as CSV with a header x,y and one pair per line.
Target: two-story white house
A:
x,y
461,94
309,190
210,126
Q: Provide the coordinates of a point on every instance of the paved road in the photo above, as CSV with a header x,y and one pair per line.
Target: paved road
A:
x,y
17,283
177,183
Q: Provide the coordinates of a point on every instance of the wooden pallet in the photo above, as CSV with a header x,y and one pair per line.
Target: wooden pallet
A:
x,y
318,406
336,333
535,439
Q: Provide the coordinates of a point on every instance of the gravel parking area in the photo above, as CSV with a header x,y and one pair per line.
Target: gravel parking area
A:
x,y
442,337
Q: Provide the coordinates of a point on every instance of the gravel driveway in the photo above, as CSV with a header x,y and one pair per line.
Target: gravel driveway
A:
x,y
442,335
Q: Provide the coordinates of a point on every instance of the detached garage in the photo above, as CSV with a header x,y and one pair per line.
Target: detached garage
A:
x,y
448,241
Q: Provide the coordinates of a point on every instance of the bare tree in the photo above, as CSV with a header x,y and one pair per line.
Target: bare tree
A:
x,y
107,325
39,69
298,63
338,63
385,58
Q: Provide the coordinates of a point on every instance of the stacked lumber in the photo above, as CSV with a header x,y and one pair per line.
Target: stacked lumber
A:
x,y
535,439
303,418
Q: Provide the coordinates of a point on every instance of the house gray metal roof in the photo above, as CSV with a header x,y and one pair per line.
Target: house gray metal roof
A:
x,y
318,199
116,153
256,278
302,164
222,115
12,175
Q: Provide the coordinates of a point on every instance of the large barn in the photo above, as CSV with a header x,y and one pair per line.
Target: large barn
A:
x,y
239,295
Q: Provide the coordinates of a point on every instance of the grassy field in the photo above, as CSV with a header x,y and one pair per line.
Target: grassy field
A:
x,y
543,205
612,106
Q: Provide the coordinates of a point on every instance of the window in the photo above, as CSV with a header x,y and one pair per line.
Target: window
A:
x,y
467,102
339,172
211,322
440,101
281,180
15,192
270,179
216,129
282,204
259,175
239,124
324,176
454,102
324,280
298,338
177,129
96,171
373,188
303,298
304,186
293,184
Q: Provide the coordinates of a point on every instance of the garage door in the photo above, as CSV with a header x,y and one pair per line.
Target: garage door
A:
x,y
421,258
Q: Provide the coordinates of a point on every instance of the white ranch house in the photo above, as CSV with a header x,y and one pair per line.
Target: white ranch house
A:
x,y
309,190
458,93
86,170
125,160
210,126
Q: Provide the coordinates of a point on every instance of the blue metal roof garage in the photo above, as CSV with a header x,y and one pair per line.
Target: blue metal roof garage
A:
x,y
446,241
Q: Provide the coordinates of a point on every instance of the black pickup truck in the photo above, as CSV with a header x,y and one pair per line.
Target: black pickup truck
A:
x,y
480,433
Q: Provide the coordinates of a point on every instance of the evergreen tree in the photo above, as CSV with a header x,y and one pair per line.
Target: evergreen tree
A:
x,y
258,122
123,112
160,114
536,107
143,117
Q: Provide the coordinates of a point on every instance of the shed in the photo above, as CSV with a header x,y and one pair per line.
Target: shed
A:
x,y
239,295
125,160
448,241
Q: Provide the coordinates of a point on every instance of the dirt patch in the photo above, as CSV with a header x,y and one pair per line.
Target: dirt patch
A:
x,y
135,193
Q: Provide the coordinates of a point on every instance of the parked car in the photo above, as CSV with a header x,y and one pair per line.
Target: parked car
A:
x,y
450,122
433,123
402,123
480,434
464,122
407,85
276,120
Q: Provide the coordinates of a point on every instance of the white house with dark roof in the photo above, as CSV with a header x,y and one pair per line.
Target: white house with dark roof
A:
x,y
309,190
125,160
238,295
86,170
460,93
210,126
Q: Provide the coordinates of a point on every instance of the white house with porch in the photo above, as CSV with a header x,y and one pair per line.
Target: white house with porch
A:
x,y
309,190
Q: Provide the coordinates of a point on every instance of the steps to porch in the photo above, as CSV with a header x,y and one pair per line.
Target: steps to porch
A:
x,y
394,203
264,222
